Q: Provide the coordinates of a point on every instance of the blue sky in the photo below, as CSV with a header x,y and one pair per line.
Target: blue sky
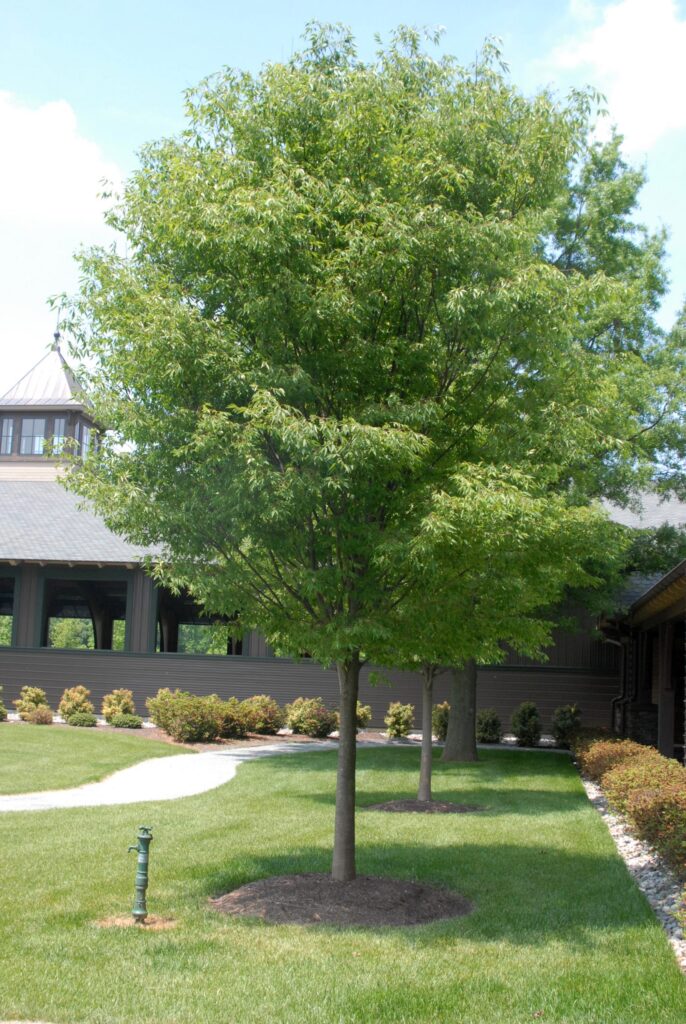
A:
x,y
83,84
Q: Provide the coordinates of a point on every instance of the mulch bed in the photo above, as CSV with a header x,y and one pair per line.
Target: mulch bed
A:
x,y
364,902
425,807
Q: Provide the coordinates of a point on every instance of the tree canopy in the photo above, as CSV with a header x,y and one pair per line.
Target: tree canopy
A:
x,y
362,305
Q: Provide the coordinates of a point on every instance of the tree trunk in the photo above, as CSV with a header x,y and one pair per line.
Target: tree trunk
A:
x,y
427,738
460,742
343,866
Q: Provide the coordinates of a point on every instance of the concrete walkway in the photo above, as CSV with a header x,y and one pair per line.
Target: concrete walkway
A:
x,y
160,778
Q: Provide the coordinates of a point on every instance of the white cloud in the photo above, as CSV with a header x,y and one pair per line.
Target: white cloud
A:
x,y
634,52
50,177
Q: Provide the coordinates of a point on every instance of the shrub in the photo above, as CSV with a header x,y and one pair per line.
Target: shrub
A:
x,y
646,771
232,718
75,701
586,735
526,724
439,720
363,715
185,717
399,719
597,758
125,721
310,717
264,715
566,723
40,714
488,726
83,719
3,709
29,699
659,817
119,702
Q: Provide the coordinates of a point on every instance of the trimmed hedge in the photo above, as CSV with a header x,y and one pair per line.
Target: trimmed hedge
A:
x,y
646,771
596,758
264,714
646,787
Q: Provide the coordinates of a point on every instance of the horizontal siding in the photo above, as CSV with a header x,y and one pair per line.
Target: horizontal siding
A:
x,y
102,671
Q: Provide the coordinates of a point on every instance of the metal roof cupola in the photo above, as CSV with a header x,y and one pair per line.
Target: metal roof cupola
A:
x,y
44,413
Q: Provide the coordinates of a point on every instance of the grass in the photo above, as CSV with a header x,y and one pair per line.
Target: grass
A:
x,y
560,933
35,757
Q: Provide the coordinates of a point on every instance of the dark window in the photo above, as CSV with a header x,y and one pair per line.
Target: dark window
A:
x,y
59,430
6,436
32,437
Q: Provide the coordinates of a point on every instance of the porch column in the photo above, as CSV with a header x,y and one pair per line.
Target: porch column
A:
x,y
665,691
28,607
141,612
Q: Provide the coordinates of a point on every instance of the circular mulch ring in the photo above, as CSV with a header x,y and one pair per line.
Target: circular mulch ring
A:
x,y
364,902
426,807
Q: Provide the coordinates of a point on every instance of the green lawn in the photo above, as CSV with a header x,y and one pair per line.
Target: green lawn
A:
x,y
34,757
560,933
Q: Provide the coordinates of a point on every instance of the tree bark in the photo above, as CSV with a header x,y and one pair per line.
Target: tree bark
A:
x,y
343,866
460,742
427,737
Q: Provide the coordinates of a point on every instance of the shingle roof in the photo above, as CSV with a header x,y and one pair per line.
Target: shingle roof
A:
x,y
50,383
42,522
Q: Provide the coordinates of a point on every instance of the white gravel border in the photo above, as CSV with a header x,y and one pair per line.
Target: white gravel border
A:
x,y
655,879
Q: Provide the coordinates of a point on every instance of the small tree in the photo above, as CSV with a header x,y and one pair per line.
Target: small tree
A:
x,y
345,284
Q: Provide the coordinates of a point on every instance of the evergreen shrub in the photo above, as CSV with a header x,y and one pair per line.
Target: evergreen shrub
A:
x,y
30,697
126,721
75,701
82,719
439,720
566,723
363,715
3,709
119,702
399,719
310,717
526,724
488,726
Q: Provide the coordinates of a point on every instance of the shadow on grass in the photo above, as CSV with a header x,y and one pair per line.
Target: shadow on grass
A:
x,y
524,895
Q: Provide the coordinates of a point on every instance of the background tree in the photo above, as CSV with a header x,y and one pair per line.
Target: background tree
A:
x,y
338,294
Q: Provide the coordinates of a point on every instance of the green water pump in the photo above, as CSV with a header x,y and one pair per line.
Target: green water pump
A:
x,y
142,847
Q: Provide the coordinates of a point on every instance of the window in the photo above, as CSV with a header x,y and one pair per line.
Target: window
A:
x,y
32,437
85,440
6,436
59,430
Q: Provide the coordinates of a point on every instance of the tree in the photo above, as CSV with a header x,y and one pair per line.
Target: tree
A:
x,y
338,297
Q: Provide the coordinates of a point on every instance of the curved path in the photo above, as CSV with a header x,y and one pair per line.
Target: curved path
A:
x,y
159,778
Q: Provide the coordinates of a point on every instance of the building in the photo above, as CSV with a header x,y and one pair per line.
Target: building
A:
x,y
76,605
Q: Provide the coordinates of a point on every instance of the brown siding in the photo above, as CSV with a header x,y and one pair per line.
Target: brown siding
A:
x,y
102,671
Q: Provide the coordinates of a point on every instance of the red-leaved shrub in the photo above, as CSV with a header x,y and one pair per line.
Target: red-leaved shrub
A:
x,y
646,771
659,817
598,758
